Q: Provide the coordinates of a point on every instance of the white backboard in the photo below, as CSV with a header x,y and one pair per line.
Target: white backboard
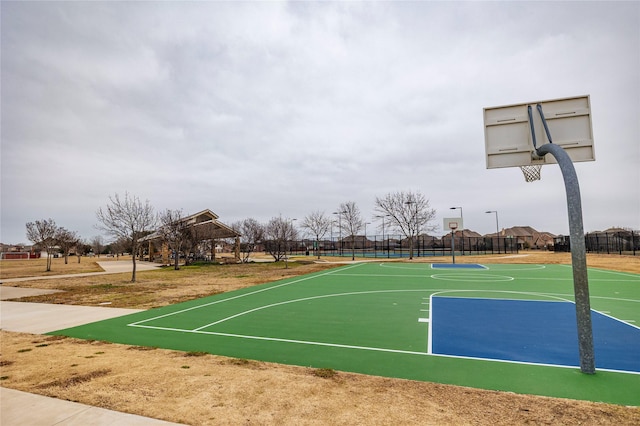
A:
x,y
507,134
452,223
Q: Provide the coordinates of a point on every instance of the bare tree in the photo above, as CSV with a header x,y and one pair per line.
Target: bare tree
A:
x,y
174,232
127,218
251,234
120,246
278,234
97,244
351,223
409,213
317,224
191,240
66,241
82,247
42,233
202,239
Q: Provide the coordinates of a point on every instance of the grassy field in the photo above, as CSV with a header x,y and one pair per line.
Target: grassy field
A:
x,y
37,267
197,388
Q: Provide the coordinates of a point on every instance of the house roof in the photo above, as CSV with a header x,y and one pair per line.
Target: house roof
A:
x,y
205,222
467,233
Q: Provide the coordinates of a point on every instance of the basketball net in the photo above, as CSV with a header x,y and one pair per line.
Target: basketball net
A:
x,y
531,172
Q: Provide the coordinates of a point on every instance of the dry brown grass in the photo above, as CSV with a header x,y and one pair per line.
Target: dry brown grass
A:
x,y
38,267
163,286
214,390
200,389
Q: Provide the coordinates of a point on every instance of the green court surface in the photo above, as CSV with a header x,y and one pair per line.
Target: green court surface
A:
x,y
381,319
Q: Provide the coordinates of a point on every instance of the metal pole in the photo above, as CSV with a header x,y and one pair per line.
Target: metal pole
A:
x,y
453,246
578,255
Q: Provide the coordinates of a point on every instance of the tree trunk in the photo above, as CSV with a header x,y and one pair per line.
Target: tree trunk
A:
x,y
133,259
353,248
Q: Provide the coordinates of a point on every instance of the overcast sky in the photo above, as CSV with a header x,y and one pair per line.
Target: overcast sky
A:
x,y
275,108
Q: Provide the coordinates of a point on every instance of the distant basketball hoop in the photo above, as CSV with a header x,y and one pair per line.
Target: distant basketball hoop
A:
x,y
452,223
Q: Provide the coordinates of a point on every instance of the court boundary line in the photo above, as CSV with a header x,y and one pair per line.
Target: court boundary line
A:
x,y
323,296
628,274
435,292
459,266
278,339
373,349
247,294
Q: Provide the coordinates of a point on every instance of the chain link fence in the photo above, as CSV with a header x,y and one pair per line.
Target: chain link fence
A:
x,y
618,242
394,246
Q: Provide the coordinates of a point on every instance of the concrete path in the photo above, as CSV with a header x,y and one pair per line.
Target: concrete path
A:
x,y
8,293
22,408
40,318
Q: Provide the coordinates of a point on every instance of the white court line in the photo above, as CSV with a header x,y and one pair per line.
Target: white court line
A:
x,y
626,274
323,296
456,266
337,272
499,267
591,279
276,339
429,344
507,361
382,275
477,277
367,348
619,299
430,332
244,295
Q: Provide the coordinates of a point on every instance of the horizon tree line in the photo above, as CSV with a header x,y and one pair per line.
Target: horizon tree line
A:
x,y
128,219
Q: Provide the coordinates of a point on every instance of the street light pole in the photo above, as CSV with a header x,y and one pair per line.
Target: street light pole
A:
x,y
497,228
287,247
382,216
364,243
340,228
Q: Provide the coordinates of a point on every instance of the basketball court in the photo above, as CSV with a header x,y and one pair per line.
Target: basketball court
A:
x,y
502,327
522,328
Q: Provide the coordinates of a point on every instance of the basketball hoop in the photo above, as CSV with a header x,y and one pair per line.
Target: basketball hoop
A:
x,y
531,172
452,223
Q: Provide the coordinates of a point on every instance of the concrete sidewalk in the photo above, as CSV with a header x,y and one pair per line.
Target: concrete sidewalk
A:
x,y
22,408
40,318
